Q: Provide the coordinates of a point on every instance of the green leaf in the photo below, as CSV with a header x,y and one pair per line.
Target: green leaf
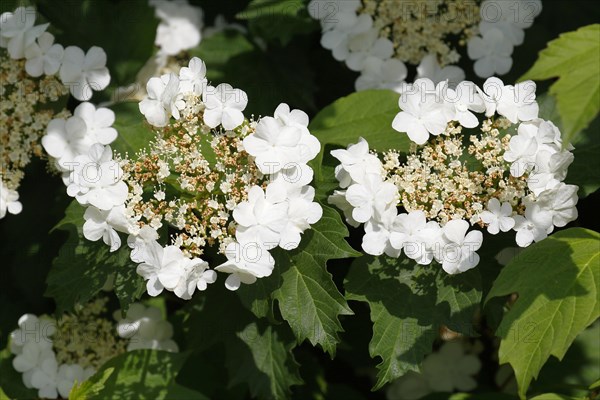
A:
x,y
134,131
268,77
580,366
554,396
308,299
147,374
368,114
408,303
92,387
278,20
573,58
557,281
82,268
260,356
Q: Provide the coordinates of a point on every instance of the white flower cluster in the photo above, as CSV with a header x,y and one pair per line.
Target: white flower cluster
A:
x,y
82,72
374,38
38,358
273,213
532,200
353,38
502,27
35,359
451,368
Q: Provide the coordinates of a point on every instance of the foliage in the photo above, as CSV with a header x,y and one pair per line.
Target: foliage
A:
x,y
573,57
557,283
328,323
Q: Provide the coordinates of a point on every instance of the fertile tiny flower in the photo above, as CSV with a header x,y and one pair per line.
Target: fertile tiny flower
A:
x,y
84,72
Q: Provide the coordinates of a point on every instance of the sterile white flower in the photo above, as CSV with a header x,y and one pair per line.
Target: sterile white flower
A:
x,y
182,275
192,79
162,100
246,262
68,374
145,328
338,199
451,368
466,98
98,122
533,227
301,214
510,17
371,198
84,72
355,163
224,106
424,110
97,180
67,139
459,252
274,145
180,26
498,217
517,103
430,68
32,354
9,201
263,216
17,31
549,169
416,236
141,243
346,25
43,57
557,205
45,378
382,74
32,328
368,45
492,53
105,224
376,240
